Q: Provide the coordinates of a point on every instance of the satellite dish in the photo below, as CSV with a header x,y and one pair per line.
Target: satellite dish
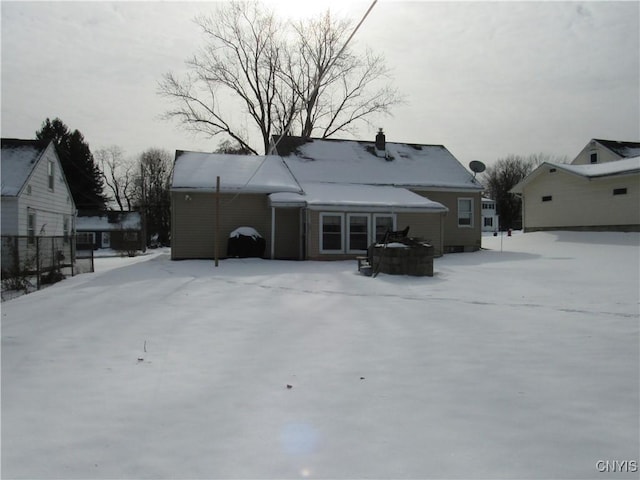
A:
x,y
477,166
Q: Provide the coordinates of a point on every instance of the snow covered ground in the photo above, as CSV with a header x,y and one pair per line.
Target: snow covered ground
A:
x,y
520,363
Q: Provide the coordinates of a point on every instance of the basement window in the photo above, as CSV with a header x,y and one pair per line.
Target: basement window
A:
x,y
619,191
547,198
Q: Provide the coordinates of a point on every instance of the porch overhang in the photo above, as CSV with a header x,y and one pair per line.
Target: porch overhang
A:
x,y
351,197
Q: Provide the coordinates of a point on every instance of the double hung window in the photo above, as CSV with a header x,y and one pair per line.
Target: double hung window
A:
x,y
352,232
358,232
331,233
31,226
465,212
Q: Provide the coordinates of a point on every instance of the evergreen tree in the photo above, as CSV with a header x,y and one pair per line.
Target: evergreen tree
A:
x,y
83,175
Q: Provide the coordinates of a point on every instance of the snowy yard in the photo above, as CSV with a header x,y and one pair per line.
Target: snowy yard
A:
x,y
521,363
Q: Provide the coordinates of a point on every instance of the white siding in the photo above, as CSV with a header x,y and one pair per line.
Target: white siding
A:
x,y
579,202
50,206
604,154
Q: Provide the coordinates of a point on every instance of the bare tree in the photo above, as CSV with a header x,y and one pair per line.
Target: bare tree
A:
x,y
241,58
283,75
336,86
153,182
118,175
231,148
499,178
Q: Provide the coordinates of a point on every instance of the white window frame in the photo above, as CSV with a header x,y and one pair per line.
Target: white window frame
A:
x,y
65,228
105,240
374,224
460,211
345,229
90,235
321,231
51,174
348,235
31,226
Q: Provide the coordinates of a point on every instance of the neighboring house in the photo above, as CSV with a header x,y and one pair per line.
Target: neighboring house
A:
x,y
121,231
36,200
598,196
603,151
324,199
490,220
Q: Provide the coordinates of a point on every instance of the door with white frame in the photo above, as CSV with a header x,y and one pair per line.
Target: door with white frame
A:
x,y
106,239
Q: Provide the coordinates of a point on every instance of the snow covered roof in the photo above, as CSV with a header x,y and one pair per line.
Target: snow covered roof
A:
x,y
246,173
18,159
329,196
618,167
351,161
109,221
624,149
627,166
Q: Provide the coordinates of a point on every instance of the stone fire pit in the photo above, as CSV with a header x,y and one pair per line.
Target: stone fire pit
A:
x,y
403,257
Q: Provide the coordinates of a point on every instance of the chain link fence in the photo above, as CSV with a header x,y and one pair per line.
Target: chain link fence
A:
x,y
31,262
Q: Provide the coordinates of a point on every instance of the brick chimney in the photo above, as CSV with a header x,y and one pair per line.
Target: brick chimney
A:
x,y
381,145
380,141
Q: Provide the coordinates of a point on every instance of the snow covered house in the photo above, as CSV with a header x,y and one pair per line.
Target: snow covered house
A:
x,y
117,230
324,199
490,219
36,200
603,151
246,182
442,197
585,195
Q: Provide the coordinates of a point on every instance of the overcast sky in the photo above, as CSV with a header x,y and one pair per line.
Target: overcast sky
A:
x,y
485,79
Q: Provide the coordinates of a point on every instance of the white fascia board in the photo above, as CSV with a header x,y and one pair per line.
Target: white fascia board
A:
x,y
375,208
426,188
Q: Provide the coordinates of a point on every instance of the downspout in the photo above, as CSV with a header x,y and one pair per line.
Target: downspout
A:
x,y
273,232
442,234
307,226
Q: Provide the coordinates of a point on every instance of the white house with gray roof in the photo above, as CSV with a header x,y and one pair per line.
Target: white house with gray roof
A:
x,y
585,195
36,200
324,199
